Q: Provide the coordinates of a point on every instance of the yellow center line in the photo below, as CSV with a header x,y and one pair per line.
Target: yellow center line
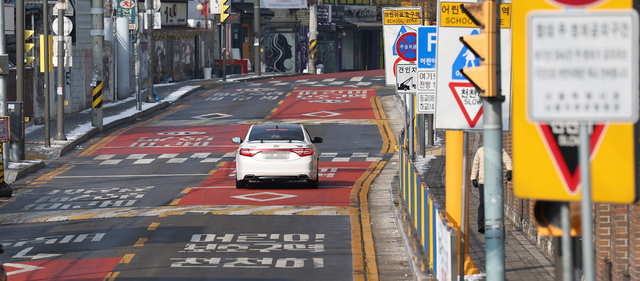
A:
x,y
140,242
186,190
277,106
46,177
353,197
127,258
356,247
92,214
111,276
175,202
367,233
153,226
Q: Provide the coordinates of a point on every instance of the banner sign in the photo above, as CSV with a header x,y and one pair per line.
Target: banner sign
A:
x,y
283,4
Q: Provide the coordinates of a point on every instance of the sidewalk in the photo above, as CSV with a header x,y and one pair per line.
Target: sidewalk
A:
x,y
522,260
78,127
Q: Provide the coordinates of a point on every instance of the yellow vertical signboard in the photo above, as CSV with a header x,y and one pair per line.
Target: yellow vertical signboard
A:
x,y
545,154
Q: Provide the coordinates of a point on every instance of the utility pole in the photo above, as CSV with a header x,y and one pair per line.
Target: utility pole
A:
x,y
60,124
20,50
17,148
47,90
224,51
138,65
313,27
97,33
150,49
487,80
256,38
3,82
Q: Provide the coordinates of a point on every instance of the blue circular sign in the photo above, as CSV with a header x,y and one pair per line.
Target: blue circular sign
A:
x,y
407,46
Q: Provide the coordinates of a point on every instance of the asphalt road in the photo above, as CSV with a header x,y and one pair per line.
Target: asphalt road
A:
x,y
156,200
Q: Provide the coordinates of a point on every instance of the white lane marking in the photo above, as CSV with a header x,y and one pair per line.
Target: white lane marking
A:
x,y
143,161
341,159
136,156
356,79
104,157
200,155
110,162
167,155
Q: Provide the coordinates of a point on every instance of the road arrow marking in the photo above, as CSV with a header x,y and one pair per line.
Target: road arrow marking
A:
x,y
23,255
22,268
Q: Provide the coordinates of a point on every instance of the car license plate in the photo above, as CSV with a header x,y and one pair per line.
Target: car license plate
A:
x,y
277,155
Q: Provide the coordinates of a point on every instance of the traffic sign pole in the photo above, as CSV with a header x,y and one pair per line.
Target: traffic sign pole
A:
x,y
60,123
588,258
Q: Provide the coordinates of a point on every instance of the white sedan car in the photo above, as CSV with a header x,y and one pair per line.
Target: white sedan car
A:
x,y
281,152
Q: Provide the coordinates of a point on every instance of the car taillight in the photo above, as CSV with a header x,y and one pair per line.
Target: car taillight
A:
x,y
302,151
249,152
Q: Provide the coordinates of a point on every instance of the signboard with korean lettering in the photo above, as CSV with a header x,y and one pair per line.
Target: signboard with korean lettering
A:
x,y
173,13
127,9
331,15
545,153
399,32
458,104
426,91
427,42
283,4
406,82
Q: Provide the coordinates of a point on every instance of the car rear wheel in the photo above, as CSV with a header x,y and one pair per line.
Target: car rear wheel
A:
x,y
314,183
241,184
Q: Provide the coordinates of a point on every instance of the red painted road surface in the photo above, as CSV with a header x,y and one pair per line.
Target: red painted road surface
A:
x,y
336,182
53,270
158,140
327,103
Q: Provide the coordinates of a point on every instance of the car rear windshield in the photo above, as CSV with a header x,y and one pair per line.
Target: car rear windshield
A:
x,y
276,133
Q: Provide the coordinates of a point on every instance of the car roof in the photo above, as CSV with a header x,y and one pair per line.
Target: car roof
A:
x,y
278,126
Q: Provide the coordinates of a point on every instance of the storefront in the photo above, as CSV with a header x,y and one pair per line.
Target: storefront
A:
x,y
349,38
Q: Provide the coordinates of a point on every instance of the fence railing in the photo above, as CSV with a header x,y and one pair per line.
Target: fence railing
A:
x,y
436,235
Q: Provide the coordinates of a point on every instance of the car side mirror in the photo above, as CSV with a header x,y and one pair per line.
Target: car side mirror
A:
x,y
236,140
317,140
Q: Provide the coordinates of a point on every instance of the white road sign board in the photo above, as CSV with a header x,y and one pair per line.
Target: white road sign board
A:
x,y
406,78
458,105
397,21
426,102
583,66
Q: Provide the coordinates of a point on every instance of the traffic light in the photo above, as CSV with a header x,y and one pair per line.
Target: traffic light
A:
x,y
224,10
484,46
548,218
28,47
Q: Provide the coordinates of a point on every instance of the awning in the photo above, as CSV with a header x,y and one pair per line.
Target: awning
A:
x,y
363,24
